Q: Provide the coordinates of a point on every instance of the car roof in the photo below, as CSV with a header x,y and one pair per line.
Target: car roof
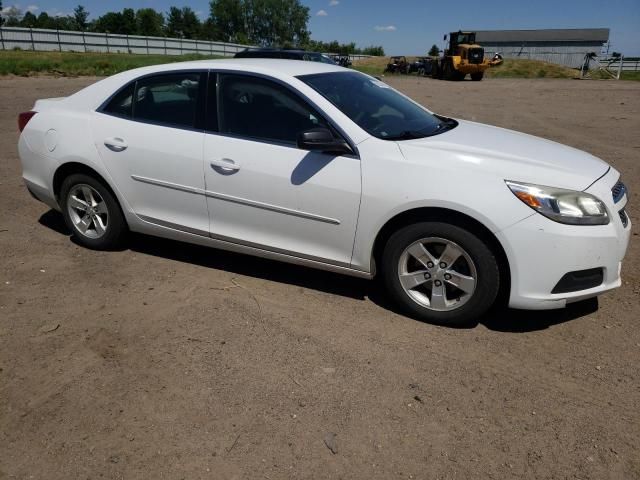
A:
x,y
268,49
273,67
269,66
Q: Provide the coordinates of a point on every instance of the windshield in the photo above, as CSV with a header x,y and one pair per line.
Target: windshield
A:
x,y
466,38
376,107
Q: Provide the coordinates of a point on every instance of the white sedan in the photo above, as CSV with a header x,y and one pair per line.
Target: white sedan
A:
x,y
322,166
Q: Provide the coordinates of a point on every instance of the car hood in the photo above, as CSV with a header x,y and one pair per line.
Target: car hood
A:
x,y
511,155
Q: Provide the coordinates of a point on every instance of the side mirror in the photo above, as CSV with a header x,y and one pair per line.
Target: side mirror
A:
x,y
321,139
444,38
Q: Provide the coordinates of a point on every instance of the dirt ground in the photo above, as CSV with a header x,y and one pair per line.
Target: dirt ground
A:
x,y
167,360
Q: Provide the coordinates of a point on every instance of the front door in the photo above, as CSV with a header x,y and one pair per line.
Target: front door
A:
x,y
262,190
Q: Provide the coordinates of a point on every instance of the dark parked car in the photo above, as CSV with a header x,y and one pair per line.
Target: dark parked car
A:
x,y
284,54
422,66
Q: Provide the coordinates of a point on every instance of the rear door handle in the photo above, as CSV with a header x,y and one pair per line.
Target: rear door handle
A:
x,y
225,164
115,144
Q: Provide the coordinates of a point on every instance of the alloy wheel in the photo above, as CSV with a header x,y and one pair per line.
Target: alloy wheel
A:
x,y
437,274
88,211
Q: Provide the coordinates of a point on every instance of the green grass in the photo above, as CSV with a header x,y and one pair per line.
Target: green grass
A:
x,y
25,63
511,68
623,76
373,65
520,68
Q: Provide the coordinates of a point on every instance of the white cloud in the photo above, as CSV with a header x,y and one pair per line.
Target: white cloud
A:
x,y
11,10
333,3
32,8
59,13
321,13
385,28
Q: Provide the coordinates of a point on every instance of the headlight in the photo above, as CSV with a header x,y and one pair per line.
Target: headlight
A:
x,y
564,206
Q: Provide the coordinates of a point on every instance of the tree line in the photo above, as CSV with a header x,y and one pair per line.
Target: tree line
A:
x,y
267,23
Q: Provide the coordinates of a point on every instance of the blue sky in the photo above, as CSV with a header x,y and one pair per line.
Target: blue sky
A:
x,y
412,26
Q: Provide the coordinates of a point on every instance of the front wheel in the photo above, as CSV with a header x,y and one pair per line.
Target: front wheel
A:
x,y
92,213
476,77
440,273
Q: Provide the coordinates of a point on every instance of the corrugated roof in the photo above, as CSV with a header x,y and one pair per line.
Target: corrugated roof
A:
x,y
546,35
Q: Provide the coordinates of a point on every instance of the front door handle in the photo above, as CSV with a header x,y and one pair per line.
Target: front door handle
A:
x,y
115,144
225,165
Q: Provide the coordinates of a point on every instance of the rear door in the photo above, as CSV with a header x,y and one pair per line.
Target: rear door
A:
x,y
150,136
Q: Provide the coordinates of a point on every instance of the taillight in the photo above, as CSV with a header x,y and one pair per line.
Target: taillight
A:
x,y
24,118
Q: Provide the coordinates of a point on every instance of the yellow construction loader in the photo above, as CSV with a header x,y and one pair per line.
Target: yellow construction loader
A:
x,y
461,57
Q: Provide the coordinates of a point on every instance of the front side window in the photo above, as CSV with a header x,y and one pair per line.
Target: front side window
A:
x,y
260,109
375,107
170,99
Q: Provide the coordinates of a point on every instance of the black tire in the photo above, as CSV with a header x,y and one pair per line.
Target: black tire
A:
x,y
447,73
487,274
459,76
115,226
435,71
476,77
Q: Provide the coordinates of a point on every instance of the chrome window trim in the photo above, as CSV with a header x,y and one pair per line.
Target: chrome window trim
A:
x,y
327,118
134,82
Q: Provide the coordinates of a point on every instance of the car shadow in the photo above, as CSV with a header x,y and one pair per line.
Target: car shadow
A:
x,y
500,318
250,266
55,221
310,164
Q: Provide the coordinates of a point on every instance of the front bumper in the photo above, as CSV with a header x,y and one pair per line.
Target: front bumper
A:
x,y
541,251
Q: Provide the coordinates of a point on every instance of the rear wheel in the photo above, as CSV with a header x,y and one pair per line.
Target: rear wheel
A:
x,y
435,71
447,71
476,77
91,212
440,273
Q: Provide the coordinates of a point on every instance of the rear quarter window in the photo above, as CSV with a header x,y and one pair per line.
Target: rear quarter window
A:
x,y
170,99
121,105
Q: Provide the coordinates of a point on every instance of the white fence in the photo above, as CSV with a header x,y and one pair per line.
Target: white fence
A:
x,y
627,65
43,40
67,41
572,57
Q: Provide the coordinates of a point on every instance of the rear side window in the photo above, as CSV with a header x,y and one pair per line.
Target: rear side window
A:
x,y
255,108
121,104
168,99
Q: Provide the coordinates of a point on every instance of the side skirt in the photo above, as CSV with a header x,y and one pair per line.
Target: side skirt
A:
x,y
152,226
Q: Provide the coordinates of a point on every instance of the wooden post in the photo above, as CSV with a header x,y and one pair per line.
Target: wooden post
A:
x,y
33,45
59,44
1,38
620,67
147,42
165,46
84,42
106,39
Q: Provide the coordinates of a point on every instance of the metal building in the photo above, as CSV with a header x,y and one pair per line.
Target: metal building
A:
x,y
562,46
